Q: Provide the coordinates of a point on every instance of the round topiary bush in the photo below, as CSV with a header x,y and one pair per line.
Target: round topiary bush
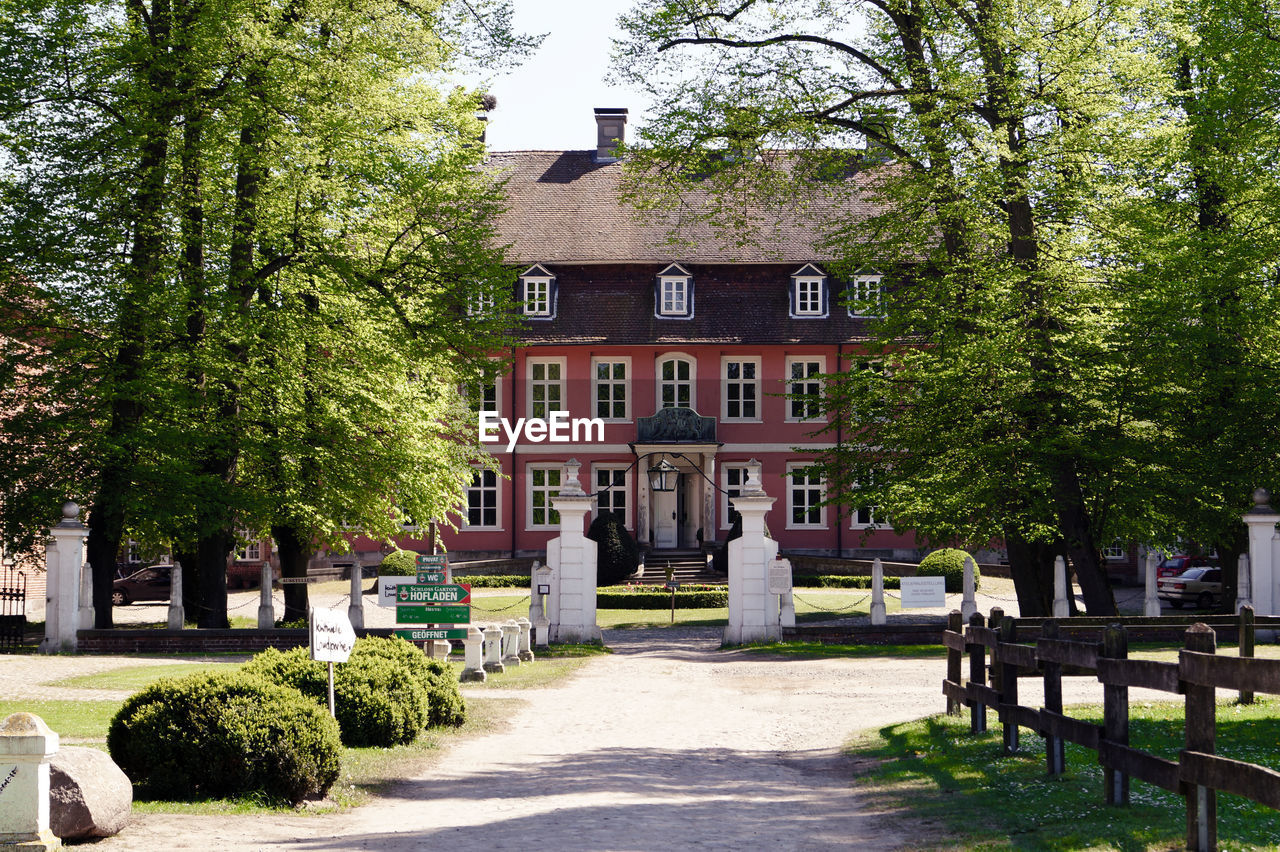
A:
x,y
225,735
949,564
437,679
399,563
619,555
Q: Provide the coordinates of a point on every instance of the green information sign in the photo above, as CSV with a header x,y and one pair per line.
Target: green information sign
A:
x,y
422,634
434,594
432,577
418,614
432,560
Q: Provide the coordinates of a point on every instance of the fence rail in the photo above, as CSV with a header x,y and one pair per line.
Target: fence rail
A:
x,y
1198,773
13,609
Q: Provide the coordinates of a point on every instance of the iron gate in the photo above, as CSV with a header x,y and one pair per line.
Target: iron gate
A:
x,y
13,609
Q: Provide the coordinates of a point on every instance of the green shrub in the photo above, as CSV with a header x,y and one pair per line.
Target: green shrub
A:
x,y
225,734
656,597
399,563
445,704
947,563
494,581
384,695
619,555
843,581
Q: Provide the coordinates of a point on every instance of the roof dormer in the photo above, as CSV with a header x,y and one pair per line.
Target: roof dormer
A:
x,y
673,293
809,293
538,292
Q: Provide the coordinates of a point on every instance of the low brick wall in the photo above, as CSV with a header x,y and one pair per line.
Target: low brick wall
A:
x,y
197,641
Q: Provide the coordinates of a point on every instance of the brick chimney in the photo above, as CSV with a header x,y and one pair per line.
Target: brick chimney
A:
x,y
611,128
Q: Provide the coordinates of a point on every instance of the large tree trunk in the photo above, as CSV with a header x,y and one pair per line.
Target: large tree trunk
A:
x,y
295,555
1031,566
1082,550
211,554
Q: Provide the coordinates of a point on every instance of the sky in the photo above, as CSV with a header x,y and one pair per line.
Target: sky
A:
x,y
547,103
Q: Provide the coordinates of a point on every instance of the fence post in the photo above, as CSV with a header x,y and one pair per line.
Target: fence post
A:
x,y
955,624
1246,645
1054,747
993,621
978,675
1008,685
1115,714
1201,723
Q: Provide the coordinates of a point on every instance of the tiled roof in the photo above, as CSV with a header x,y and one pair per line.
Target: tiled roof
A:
x,y
613,304
565,207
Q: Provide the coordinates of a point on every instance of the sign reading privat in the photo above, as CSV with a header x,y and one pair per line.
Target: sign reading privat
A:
x,y
923,592
432,560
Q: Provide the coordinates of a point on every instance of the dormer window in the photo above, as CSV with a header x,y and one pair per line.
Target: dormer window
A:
x,y
808,292
538,292
673,296
865,295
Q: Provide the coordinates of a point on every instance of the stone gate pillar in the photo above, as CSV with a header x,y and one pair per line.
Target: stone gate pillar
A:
x,y
64,558
1261,521
753,612
572,559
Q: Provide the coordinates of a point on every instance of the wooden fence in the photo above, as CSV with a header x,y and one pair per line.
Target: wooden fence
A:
x,y
1197,774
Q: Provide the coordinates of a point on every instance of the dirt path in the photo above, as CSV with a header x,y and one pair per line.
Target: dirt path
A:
x,y
666,744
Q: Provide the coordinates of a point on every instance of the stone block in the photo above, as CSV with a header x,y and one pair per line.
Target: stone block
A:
x,y
89,796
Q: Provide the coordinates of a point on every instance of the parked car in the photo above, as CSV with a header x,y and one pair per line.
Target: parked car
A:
x,y
1200,586
1175,565
148,584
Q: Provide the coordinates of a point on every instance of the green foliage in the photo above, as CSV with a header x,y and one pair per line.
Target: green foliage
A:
x,y
843,581
948,563
385,694
225,734
494,581
656,597
399,563
618,553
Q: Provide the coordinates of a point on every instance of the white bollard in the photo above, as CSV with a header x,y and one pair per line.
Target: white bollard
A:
x,y
440,649
86,597
355,609
526,639
1244,594
1061,609
266,606
473,656
1150,603
493,649
177,614
878,614
969,603
26,747
510,643
541,621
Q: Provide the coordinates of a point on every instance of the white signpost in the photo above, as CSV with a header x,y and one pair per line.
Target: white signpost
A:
x,y
332,638
923,592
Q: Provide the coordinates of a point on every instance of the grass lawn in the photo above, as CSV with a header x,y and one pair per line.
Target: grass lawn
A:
x,y
933,769
819,651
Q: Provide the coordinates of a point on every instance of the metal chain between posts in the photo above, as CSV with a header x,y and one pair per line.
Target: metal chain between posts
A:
x,y
817,608
523,600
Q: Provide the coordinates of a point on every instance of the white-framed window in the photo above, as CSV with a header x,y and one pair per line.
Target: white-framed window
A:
x,y
1116,551
808,292
676,377
732,478
482,500
805,490
546,386
741,388
483,396
865,295
803,377
616,479
866,517
134,553
544,483
611,380
537,292
479,304
252,552
673,293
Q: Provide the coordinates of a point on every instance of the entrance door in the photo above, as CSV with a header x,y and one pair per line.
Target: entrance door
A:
x,y
664,519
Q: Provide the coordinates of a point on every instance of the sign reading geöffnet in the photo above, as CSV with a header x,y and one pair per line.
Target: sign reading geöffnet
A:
x,y
332,636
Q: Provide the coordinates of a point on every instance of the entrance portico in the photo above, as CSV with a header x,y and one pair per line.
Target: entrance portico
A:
x,y
672,520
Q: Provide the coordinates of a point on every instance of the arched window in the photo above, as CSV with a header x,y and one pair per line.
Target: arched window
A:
x,y
675,382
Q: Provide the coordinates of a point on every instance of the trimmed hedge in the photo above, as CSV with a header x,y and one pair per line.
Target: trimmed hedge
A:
x,y
494,581
399,563
384,695
656,597
225,734
948,563
842,581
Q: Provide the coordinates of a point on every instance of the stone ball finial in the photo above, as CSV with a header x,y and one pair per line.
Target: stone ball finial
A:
x,y
1261,501
70,511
